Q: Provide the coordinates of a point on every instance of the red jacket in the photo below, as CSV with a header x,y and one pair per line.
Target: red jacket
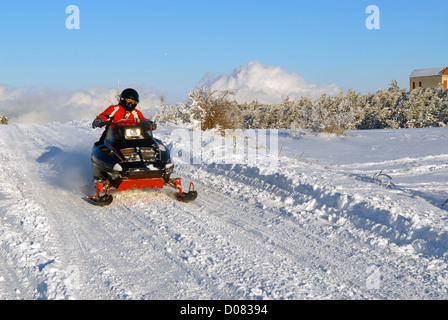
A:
x,y
117,112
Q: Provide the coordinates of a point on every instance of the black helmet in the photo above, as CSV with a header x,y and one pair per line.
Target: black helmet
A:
x,y
129,94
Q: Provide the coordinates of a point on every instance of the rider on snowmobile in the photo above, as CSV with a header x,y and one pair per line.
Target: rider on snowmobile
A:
x,y
125,109
151,167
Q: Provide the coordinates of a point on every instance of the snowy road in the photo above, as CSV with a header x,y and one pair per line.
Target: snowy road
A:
x,y
313,229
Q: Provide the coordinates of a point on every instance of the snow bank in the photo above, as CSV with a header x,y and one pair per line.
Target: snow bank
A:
x,y
340,178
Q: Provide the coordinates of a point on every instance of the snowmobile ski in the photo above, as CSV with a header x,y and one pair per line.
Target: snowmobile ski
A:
x,y
103,196
183,196
101,201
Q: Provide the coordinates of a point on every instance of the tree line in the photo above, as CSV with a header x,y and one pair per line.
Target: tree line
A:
x,y
393,108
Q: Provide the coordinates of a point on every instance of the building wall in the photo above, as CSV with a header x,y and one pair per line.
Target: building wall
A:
x,y
429,81
445,79
426,82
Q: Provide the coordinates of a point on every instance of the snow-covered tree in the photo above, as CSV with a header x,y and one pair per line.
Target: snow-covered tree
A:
x,y
4,120
390,108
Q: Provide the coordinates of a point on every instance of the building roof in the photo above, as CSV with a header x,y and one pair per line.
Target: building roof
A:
x,y
427,72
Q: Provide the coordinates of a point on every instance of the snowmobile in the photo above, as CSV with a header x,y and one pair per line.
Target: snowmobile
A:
x,y
128,157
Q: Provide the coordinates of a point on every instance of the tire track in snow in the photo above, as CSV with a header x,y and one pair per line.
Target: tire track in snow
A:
x,y
341,196
334,253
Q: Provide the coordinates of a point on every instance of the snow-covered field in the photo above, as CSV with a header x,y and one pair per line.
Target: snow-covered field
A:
x,y
359,216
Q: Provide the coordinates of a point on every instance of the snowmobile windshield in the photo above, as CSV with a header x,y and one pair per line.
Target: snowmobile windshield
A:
x,y
129,130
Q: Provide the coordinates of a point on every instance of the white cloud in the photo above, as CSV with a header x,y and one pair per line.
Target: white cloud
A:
x,y
254,81
267,84
30,105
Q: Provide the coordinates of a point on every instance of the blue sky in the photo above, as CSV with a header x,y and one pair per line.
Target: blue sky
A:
x,y
171,45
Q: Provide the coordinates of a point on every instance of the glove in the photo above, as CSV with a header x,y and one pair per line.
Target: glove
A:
x,y
98,123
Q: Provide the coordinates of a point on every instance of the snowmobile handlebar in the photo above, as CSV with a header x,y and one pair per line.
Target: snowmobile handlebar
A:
x,y
98,123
